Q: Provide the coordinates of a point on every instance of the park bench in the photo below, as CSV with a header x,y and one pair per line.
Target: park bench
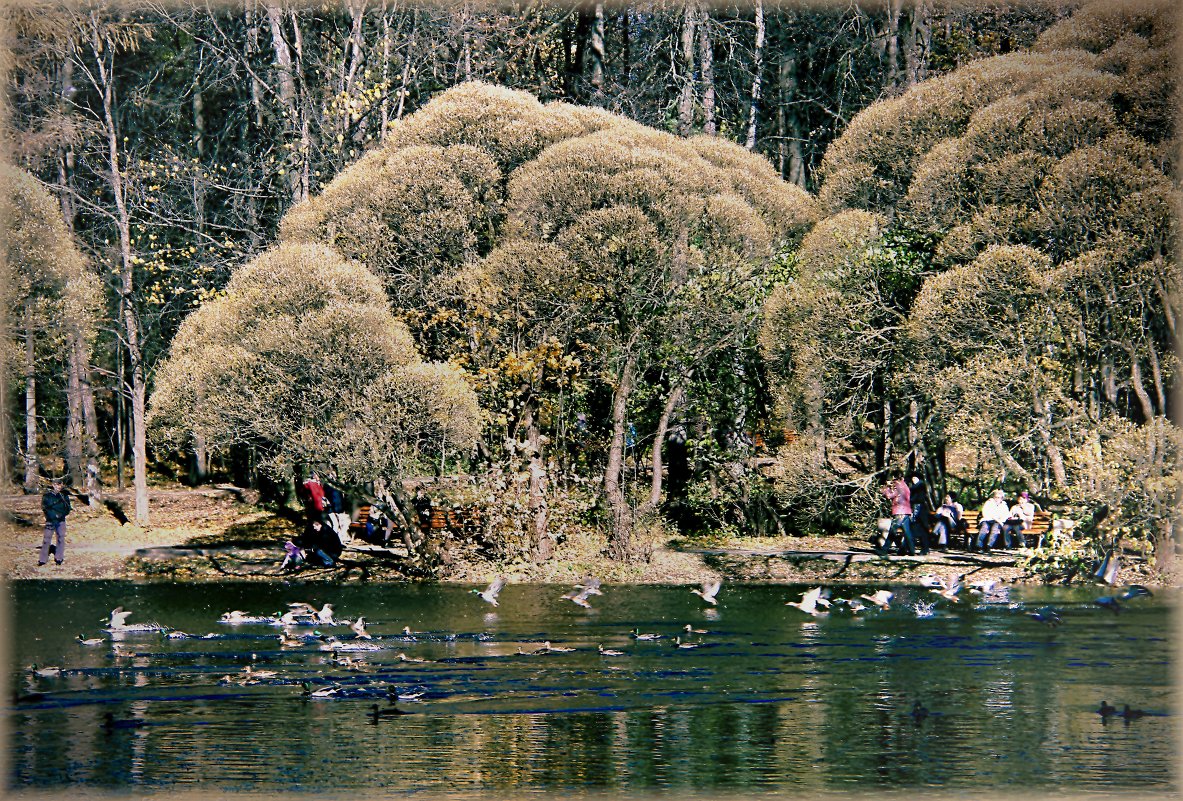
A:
x,y
357,529
1032,537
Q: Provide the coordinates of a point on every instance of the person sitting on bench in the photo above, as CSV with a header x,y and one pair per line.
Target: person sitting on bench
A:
x,y
1020,519
995,513
948,521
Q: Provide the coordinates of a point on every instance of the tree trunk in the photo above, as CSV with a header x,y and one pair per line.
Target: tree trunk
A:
x,y
543,545
596,53
757,76
406,76
663,425
252,46
74,429
790,157
706,57
1139,386
686,96
919,41
620,543
287,87
131,326
303,178
893,44
30,407
384,107
90,420
1043,421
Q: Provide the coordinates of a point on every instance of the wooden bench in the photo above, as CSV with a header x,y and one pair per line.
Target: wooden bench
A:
x,y
1032,537
357,529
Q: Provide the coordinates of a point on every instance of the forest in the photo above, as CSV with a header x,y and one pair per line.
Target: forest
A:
x,y
648,267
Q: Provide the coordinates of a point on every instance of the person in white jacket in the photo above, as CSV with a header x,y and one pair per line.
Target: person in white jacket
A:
x,y
995,513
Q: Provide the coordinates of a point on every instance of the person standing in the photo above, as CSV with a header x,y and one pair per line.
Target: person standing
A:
x,y
921,516
56,505
900,496
314,498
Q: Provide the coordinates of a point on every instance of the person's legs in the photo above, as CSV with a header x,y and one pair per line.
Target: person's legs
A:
x,y
907,545
983,536
995,534
60,542
43,557
940,534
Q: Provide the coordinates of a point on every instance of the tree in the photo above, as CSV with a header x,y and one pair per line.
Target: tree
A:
x,y
528,235
301,361
51,305
1026,199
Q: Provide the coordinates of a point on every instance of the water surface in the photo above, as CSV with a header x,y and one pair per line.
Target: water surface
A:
x,y
771,699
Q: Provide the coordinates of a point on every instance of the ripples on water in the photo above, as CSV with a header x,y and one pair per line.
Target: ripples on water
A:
x,y
770,699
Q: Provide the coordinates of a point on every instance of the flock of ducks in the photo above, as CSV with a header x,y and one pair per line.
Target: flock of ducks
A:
x,y
815,602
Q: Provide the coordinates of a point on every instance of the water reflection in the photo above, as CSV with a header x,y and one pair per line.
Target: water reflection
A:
x,y
771,699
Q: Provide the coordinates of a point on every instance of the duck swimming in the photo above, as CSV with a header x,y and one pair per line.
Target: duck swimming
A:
x,y
110,723
377,712
1106,710
90,640
608,651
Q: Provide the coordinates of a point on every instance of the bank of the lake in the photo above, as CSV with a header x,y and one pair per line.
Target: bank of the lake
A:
x,y
218,533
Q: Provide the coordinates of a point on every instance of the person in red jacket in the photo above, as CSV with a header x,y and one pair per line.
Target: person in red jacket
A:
x,y
900,495
314,498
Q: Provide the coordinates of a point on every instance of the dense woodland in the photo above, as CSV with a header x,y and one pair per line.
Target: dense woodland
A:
x,y
660,266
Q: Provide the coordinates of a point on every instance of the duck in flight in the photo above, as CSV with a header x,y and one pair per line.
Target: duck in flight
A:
x,y
881,598
1046,615
359,628
809,602
489,595
708,592
579,597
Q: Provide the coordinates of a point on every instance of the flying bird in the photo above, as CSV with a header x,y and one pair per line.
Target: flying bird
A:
x,y
809,602
579,597
1046,615
1134,591
591,585
881,598
118,618
708,592
490,593
359,628
1109,602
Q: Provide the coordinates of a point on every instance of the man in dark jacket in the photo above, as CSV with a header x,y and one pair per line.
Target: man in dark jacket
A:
x,y
56,505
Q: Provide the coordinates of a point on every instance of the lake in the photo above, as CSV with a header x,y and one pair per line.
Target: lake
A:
x,y
770,699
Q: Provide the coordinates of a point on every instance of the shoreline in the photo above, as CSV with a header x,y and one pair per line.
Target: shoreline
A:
x,y
215,533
